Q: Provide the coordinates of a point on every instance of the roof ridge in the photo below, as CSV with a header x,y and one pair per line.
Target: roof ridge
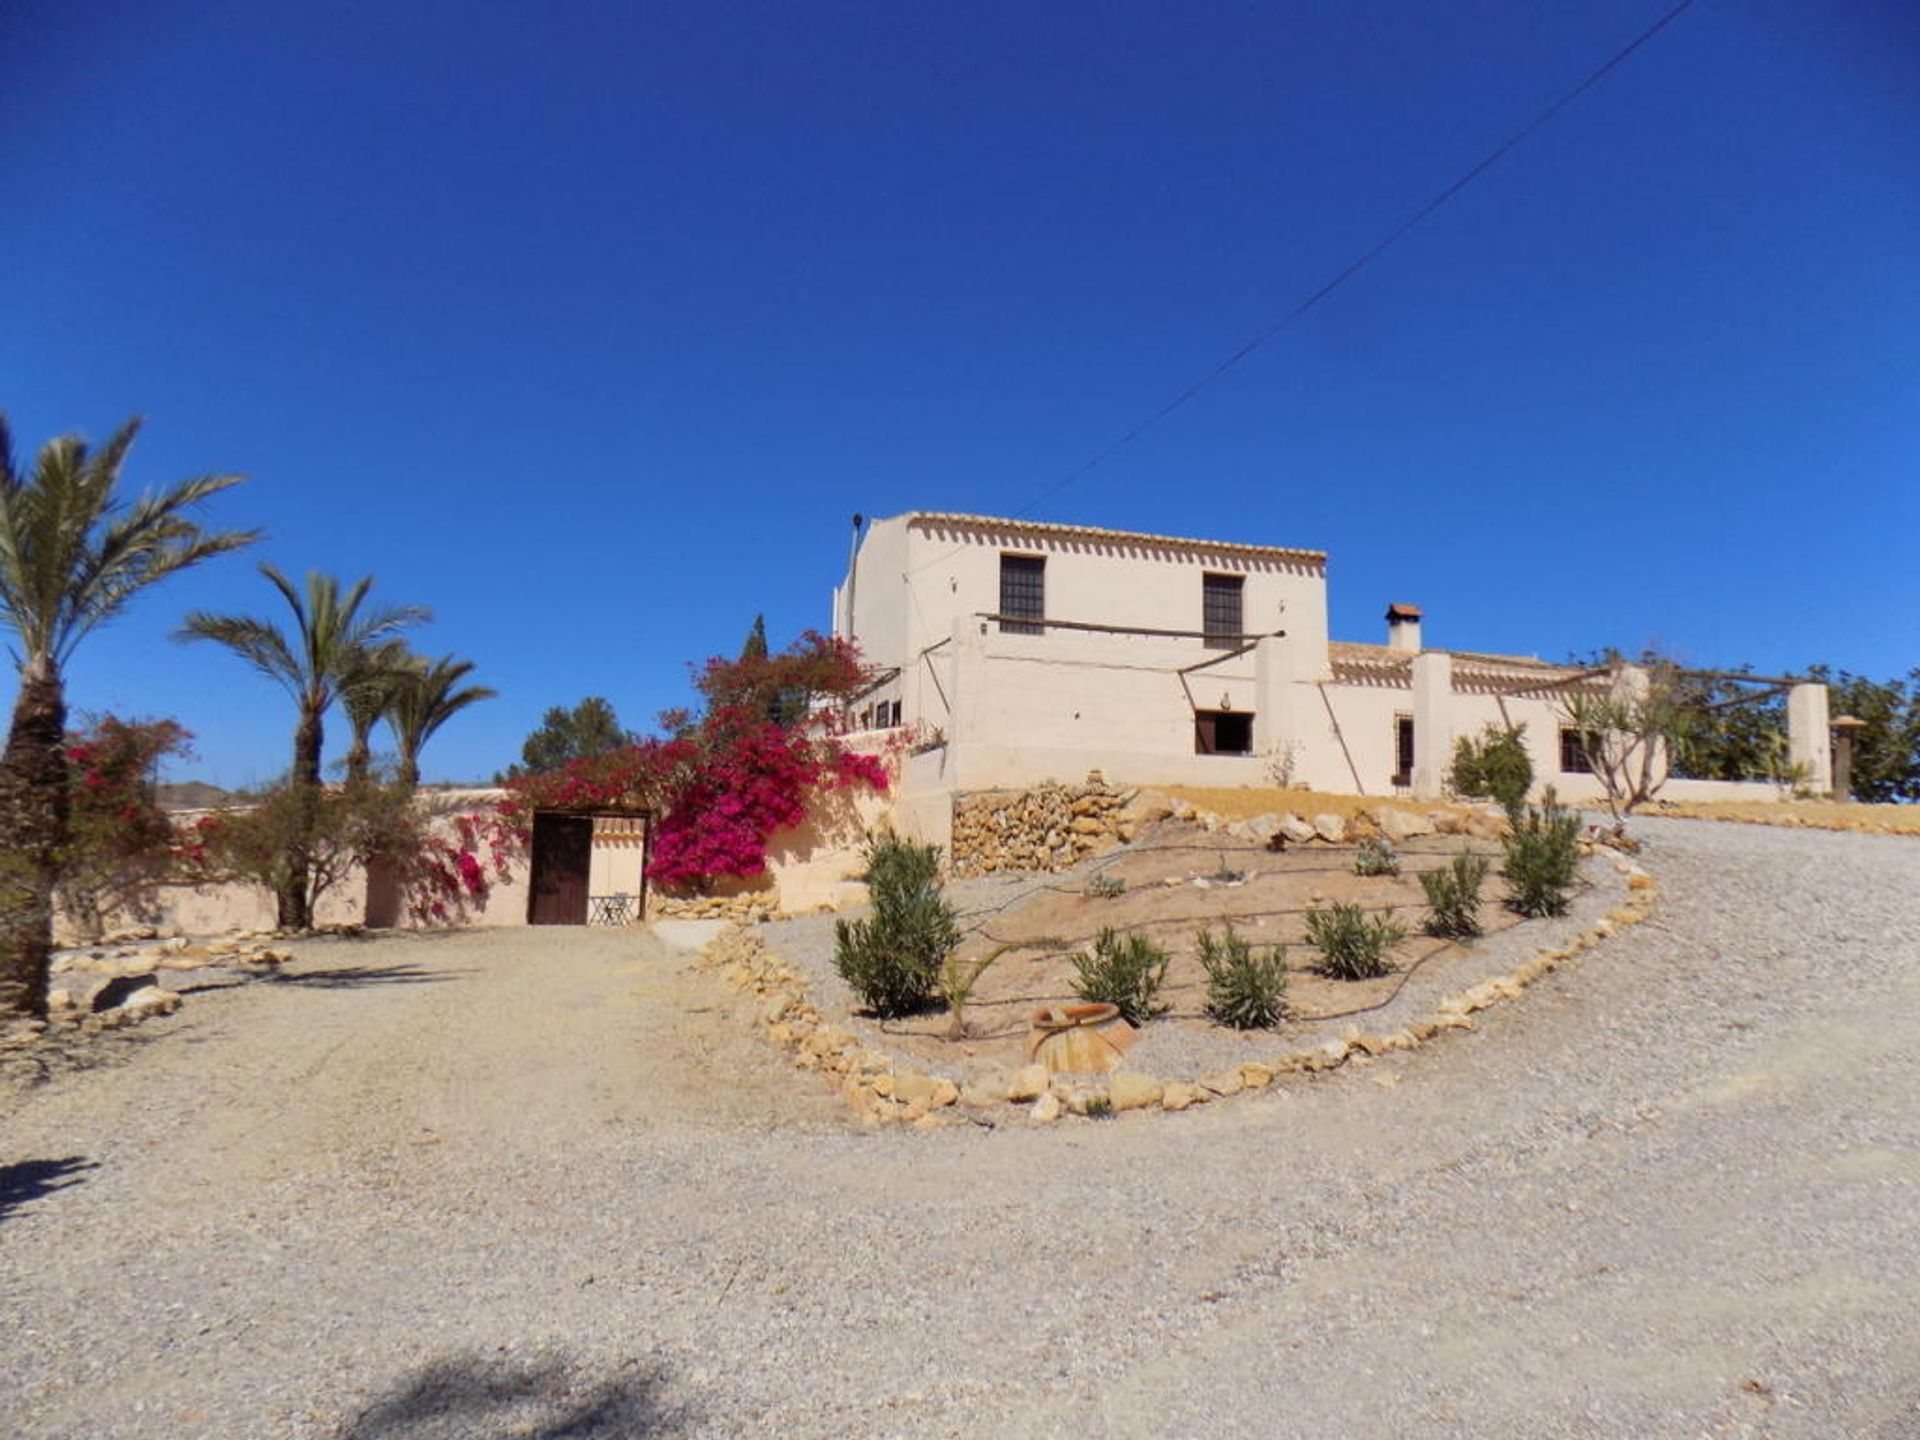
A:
x,y
959,519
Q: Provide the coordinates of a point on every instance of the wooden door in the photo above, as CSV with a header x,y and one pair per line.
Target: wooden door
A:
x,y
562,859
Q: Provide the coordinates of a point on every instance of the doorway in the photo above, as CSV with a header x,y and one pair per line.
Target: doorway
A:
x,y
562,864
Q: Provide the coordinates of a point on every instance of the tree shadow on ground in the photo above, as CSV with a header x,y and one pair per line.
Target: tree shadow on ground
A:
x,y
394,935
479,1397
25,1181
349,977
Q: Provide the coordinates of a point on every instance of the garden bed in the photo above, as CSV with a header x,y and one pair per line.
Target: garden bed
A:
x,y
1178,878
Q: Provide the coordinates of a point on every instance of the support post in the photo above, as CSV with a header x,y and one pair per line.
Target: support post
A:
x,y
1274,725
966,688
1809,738
1432,722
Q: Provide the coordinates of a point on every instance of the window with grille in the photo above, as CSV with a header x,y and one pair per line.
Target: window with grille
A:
x,y
1023,594
1403,750
1220,609
1575,754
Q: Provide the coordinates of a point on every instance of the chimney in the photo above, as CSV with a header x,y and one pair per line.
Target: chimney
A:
x,y
1403,628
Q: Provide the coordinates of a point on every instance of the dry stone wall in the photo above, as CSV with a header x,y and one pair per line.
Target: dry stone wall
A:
x,y
1048,827
750,907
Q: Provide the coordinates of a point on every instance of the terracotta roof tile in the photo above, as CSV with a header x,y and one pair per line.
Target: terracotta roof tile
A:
x,y
927,518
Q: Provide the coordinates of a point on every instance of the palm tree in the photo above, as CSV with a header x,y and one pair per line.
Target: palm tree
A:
x,y
369,700
71,558
424,698
326,653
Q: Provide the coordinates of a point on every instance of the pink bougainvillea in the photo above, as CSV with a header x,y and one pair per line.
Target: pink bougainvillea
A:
x,y
724,785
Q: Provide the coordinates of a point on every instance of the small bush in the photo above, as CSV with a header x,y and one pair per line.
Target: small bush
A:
x,y
1106,887
1453,896
1496,766
1353,944
955,984
1375,856
1542,858
1123,970
894,958
1246,989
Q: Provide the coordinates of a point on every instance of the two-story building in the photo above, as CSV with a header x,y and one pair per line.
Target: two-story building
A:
x,y
1021,652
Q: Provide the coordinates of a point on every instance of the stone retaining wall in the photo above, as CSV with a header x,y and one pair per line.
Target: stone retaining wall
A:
x,y
1049,827
750,907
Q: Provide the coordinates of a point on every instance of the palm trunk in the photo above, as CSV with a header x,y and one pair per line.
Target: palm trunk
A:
x,y
359,758
407,773
34,802
293,903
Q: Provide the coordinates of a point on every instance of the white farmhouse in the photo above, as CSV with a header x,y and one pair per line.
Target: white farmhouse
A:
x,y
1019,653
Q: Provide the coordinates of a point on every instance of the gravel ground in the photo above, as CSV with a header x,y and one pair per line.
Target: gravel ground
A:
x,y
538,1184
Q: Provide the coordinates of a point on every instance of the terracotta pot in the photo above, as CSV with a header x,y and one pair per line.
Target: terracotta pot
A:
x,y
1079,1039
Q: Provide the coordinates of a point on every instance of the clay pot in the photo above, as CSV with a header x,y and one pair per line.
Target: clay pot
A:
x,y
1079,1039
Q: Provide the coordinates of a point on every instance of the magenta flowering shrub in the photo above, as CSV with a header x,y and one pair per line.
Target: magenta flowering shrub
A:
x,y
724,785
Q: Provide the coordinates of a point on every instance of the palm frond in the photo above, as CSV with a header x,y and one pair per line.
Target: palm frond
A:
x,y
329,648
428,698
256,641
71,558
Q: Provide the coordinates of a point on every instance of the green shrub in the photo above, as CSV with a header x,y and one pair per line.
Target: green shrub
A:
x,y
1106,887
1353,944
1453,896
1246,988
1496,766
1542,858
1375,856
1123,970
894,958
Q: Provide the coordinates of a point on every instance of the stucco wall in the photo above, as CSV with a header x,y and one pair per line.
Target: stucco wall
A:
x,y
922,582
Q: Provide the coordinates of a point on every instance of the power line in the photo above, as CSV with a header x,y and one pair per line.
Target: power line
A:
x,y
1393,236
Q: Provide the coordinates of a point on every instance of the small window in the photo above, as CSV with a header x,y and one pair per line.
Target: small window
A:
x,y
1222,732
1023,594
1575,751
1403,750
1221,612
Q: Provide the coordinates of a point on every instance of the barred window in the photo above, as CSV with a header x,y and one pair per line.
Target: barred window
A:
x,y
1403,750
1023,594
1221,618
1575,755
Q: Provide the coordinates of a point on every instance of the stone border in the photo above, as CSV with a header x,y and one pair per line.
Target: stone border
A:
x,y
883,1091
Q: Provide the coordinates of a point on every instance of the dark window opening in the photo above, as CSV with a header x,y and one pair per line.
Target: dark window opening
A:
x,y
1222,619
1023,594
1222,732
1576,751
1403,750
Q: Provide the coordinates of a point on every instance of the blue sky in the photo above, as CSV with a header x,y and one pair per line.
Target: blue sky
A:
x,y
591,325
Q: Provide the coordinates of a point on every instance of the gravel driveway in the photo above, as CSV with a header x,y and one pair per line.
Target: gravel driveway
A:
x,y
547,1184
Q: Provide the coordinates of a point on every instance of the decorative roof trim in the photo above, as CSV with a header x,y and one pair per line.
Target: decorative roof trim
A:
x,y
1356,661
1042,528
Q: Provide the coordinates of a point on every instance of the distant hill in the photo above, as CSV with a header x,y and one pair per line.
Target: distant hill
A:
x,y
192,795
